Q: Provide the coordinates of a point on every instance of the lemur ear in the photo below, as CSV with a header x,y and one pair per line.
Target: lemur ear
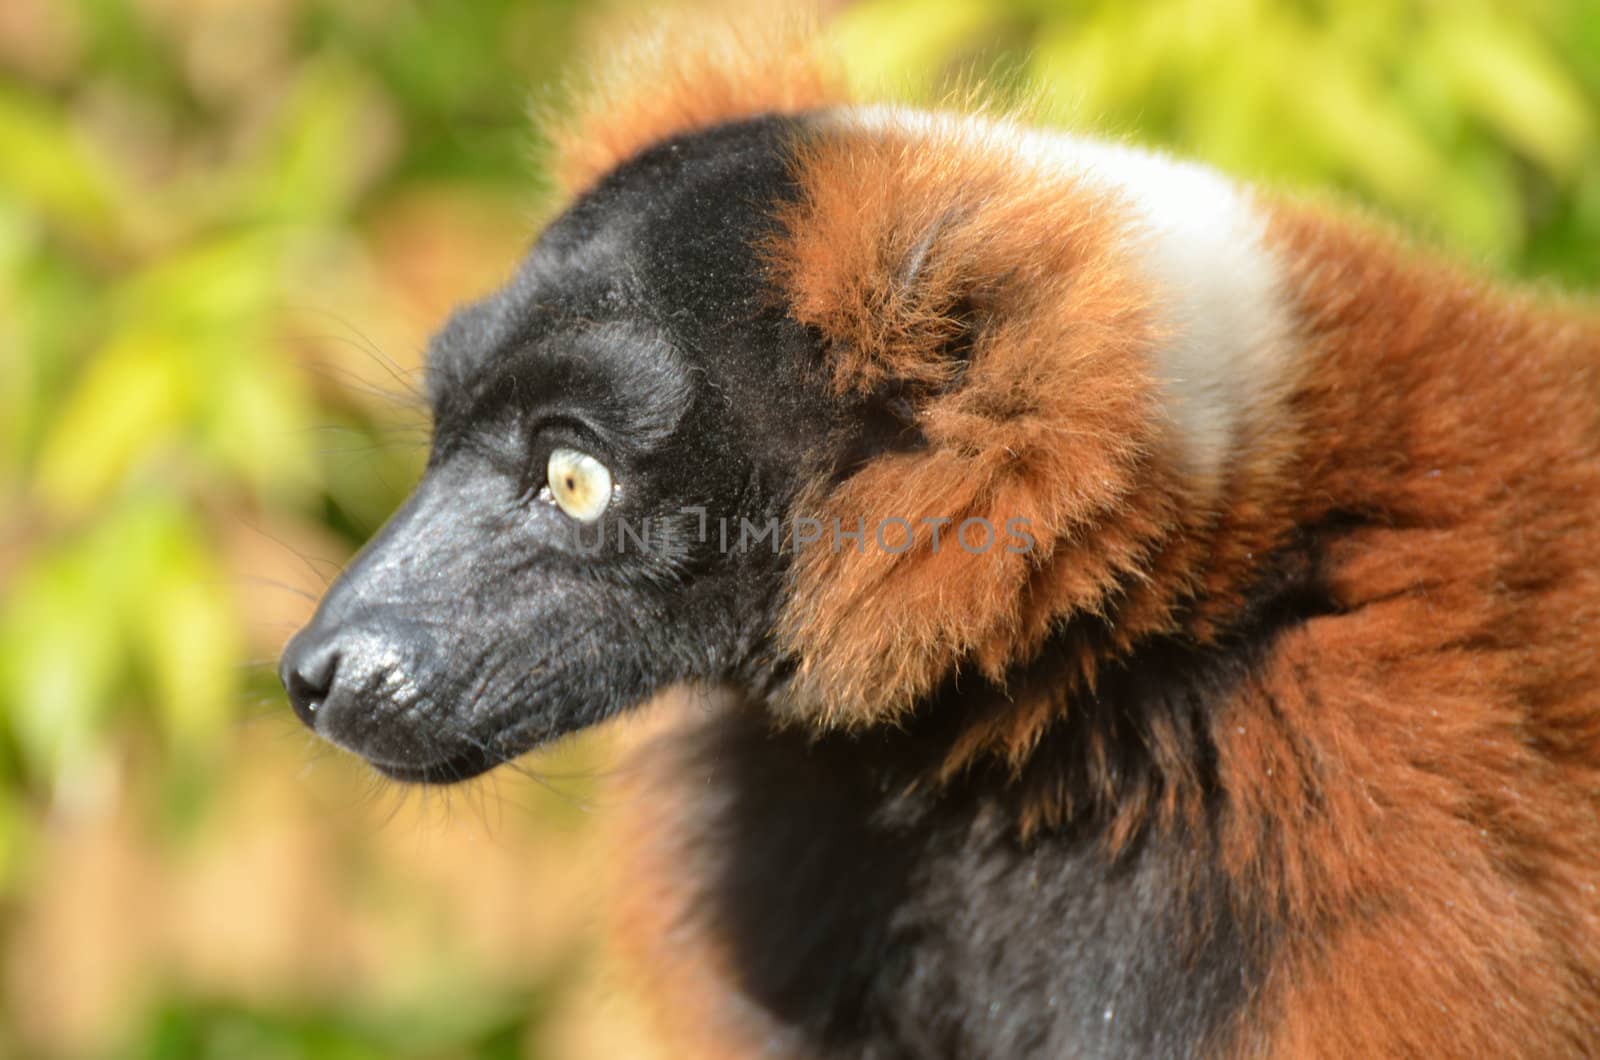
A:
x,y
1000,302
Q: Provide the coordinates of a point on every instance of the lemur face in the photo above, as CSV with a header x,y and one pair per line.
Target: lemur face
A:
x,y
1008,366
600,426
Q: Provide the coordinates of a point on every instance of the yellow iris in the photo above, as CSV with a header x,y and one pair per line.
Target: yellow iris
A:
x,y
580,484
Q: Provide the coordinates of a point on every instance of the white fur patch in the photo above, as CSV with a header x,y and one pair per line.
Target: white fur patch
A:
x,y
1201,245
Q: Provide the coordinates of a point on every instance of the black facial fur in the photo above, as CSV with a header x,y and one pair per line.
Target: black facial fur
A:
x,y
482,620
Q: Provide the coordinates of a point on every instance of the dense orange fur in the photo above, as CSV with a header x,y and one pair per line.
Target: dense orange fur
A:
x,y
1415,781
689,72
898,247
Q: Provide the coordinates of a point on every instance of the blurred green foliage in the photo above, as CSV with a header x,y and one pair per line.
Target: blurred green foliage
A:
x,y
201,1030
178,181
199,200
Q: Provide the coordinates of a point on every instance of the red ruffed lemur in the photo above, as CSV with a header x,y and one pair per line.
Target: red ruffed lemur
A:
x,y
1152,619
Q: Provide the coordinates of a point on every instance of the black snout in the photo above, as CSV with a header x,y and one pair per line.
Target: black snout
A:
x,y
344,675
402,663
360,685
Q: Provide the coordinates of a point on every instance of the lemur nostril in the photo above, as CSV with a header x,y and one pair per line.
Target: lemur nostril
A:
x,y
307,673
305,693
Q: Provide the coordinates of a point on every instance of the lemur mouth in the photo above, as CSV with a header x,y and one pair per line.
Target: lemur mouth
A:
x,y
451,768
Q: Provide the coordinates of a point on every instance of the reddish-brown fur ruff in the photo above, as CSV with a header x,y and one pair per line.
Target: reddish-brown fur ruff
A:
x,y
685,73
998,297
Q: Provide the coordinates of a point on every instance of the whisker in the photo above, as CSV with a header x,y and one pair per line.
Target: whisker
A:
x,y
309,563
363,342
274,583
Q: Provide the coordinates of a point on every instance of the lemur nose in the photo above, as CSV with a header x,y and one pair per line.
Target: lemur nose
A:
x,y
308,669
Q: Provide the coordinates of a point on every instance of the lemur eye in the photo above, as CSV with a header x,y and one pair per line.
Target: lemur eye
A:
x,y
580,484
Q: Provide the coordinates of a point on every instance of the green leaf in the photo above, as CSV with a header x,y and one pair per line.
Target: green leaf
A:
x,y
333,135
60,658
129,400
1512,82
46,165
183,623
253,423
1345,109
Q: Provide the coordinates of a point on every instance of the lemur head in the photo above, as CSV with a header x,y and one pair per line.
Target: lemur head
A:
x,y
830,404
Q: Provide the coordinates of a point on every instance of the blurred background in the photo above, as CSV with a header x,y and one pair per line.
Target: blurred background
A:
x,y
226,230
